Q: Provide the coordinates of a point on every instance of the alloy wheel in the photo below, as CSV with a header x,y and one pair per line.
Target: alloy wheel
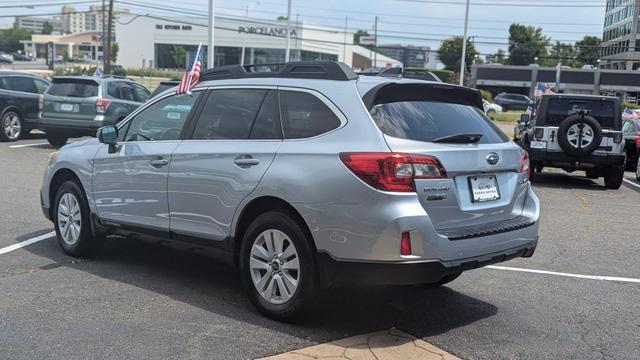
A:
x,y
580,135
12,126
275,266
69,219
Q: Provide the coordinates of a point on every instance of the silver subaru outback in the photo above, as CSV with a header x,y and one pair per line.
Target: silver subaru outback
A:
x,y
304,177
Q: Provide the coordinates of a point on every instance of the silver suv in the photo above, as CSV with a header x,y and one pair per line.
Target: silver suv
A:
x,y
304,177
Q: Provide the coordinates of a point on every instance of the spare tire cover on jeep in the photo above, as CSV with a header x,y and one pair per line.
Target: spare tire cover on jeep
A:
x,y
579,134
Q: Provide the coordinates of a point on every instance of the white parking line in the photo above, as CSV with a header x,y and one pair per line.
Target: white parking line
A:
x,y
28,145
631,183
22,244
579,276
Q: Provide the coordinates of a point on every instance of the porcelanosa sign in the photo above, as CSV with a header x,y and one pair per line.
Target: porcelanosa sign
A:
x,y
265,30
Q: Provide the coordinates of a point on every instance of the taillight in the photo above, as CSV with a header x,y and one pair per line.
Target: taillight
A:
x,y
393,171
102,105
41,102
638,140
405,243
524,163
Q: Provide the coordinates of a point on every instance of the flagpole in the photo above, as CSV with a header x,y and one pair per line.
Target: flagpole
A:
x,y
193,66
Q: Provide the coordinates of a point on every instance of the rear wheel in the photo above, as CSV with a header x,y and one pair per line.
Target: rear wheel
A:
x,y
638,170
491,114
613,178
592,174
278,266
57,140
12,126
72,222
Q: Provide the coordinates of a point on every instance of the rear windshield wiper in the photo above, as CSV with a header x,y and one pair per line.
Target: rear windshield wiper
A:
x,y
459,139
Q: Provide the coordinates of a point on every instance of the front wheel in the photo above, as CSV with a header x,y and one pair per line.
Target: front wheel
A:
x,y
278,266
613,178
72,222
12,126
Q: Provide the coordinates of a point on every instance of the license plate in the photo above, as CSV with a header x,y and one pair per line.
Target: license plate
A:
x,y
66,107
538,144
484,188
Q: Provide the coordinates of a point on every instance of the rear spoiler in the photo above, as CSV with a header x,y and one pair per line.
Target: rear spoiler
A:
x,y
395,92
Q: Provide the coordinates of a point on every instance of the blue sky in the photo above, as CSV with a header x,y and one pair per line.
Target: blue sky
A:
x,y
400,21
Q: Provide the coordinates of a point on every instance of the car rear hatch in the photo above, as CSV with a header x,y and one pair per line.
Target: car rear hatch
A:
x,y
485,181
71,99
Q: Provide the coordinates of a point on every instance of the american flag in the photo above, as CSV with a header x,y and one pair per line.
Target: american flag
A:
x,y
192,74
542,89
629,114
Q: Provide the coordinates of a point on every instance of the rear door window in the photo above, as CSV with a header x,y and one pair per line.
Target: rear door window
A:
x,y
24,84
5,83
427,121
304,115
560,109
79,88
41,86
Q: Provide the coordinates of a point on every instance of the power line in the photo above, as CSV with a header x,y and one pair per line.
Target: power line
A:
x,y
511,4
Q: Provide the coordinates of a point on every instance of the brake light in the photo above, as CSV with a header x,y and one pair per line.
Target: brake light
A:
x,y
393,171
524,163
405,243
102,105
41,102
638,140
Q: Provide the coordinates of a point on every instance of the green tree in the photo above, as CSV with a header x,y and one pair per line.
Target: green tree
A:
x,y
115,47
450,53
588,50
500,56
179,55
47,28
10,39
526,43
358,34
563,53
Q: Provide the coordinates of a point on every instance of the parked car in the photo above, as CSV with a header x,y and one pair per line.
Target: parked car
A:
x,y
631,135
162,87
578,132
19,93
75,106
491,109
513,101
19,56
5,58
304,178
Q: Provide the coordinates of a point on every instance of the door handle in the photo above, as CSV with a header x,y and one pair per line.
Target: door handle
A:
x,y
158,162
245,161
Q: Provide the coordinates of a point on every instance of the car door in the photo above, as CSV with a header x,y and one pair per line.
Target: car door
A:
x,y
26,96
130,183
123,100
231,145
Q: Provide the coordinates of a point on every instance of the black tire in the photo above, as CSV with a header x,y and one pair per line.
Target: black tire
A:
x,y
57,140
17,128
563,135
613,178
592,174
638,170
491,114
505,108
86,245
303,296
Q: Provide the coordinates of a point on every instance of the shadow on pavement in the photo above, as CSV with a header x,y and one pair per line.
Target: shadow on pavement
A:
x,y
203,282
567,181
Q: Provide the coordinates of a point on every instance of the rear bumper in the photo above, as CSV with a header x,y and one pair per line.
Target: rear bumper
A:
x,y
557,157
334,271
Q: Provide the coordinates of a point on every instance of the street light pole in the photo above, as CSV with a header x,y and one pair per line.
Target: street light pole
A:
x,y
464,44
344,46
210,46
287,54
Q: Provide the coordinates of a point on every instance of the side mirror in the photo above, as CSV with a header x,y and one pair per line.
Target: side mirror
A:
x,y
525,118
108,135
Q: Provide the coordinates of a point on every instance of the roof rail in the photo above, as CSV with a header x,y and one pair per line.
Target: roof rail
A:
x,y
326,70
409,74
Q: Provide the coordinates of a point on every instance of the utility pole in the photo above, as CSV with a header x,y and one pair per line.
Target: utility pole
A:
x,y
102,36
375,35
210,46
464,44
287,53
344,46
107,67
244,36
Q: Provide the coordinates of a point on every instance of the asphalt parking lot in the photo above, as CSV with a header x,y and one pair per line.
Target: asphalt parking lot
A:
x,y
137,300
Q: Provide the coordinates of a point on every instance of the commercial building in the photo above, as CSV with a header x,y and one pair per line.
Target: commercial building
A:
x,y
83,21
168,42
411,56
524,79
84,45
621,43
35,24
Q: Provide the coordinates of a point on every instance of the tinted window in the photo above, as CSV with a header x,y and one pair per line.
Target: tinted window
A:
x,y
229,114
560,109
304,115
267,124
24,84
73,88
122,91
141,93
41,86
427,121
161,121
5,83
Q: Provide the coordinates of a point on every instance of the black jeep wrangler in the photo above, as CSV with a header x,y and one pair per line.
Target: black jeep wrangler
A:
x,y
577,132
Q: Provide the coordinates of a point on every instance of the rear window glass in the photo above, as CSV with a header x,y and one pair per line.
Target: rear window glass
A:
x,y
560,109
73,88
427,121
